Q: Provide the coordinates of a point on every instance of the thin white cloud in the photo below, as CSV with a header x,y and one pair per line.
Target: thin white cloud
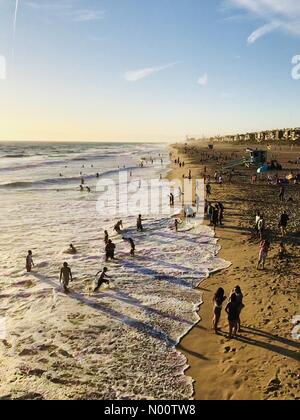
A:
x,y
203,80
262,31
135,75
86,15
275,15
68,9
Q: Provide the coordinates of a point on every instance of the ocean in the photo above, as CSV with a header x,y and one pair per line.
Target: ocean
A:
x,y
121,342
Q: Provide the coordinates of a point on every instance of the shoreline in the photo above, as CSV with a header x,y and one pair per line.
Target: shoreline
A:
x,y
223,369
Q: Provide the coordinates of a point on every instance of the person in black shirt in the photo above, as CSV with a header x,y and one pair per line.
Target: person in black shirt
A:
x,y
233,312
284,219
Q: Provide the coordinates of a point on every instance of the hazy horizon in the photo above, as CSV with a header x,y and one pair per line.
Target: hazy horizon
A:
x,y
129,71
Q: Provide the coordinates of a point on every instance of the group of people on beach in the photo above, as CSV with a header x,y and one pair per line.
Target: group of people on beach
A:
x,y
233,309
265,243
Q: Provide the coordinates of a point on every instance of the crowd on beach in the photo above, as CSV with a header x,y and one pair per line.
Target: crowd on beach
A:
x,y
214,212
215,216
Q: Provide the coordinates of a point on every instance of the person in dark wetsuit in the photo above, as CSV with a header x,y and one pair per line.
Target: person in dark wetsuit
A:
x,y
103,278
283,223
110,250
232,310
218,300
106,237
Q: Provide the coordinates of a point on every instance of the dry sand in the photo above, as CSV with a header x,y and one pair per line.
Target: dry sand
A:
x,y
263,362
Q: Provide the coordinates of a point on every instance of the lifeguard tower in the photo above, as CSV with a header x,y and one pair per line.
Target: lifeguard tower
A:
x,y
256,158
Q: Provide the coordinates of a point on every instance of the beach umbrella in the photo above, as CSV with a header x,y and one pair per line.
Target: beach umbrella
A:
x,y
262,169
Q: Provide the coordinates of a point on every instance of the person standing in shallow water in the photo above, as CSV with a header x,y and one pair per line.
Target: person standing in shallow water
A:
x,y
132,245
218,301
110,250
65,276
139,224
106,237
29,262
103,278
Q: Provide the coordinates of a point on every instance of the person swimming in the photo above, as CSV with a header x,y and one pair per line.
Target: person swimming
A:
x,y
72,250
65,276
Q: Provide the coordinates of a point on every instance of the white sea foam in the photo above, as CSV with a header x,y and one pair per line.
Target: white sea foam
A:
x,y
120,343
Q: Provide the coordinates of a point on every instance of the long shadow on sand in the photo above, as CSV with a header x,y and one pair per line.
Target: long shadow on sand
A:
x,y
269,336
192,353
271,347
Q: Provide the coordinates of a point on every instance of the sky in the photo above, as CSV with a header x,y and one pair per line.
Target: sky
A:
x,y
147,70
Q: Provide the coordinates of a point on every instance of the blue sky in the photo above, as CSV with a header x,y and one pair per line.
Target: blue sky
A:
x,y
142,70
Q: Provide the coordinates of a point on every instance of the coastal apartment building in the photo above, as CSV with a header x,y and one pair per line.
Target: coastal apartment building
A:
x,y
286,134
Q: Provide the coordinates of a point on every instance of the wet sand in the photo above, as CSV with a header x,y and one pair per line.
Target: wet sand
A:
x,y
263,361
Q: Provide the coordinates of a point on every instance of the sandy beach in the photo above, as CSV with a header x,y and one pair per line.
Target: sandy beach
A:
x,y
263,361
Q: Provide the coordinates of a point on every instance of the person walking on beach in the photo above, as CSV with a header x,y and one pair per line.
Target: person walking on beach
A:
x,y
132,245
139,224
110,250
65,276
208,190
176,224
29,262
261,226
172,200
215,217
282,193
106,237
257,219
221,213
263,254
283,223
103,278
233,315
218,301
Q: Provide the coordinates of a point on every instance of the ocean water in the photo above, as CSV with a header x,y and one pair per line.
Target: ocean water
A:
x,y
119,343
